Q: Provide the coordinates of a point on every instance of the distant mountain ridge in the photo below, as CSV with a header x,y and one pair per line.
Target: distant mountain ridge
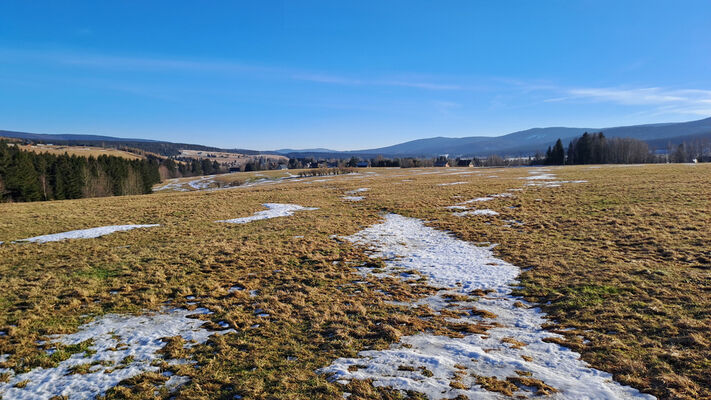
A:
x,y
68,137
526,142
521,143
317,150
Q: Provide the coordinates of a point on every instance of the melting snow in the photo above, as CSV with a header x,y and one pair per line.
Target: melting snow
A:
x,y
451,183
353,198
234,289
274,210
460,267
123,346
475,212
202,183
84,233
478,199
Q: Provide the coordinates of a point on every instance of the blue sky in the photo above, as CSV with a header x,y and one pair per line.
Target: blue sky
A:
x,y
348,74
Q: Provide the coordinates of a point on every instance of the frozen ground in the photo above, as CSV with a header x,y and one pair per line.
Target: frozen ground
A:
x,y
121,347
84,233
274,210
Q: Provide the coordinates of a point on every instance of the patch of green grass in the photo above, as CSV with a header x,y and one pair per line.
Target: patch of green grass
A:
x,y
581,296
98,272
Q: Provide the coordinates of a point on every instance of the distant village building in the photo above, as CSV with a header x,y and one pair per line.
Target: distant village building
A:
x,y
317,164
362,164
465,163
282,167
441,163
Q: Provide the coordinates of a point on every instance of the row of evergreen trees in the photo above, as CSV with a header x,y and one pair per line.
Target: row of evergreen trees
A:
x,y
189,167
28,176
595,148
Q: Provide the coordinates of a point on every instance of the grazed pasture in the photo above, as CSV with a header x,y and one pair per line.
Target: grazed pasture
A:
x,y
617,256
81,151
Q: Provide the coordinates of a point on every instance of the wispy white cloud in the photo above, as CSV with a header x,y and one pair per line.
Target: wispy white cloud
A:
x,y
505,92
148,63
661,100
339,80
125,62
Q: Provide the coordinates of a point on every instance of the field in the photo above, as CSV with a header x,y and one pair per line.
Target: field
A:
x,y
352,294
231,159
81,151
220,181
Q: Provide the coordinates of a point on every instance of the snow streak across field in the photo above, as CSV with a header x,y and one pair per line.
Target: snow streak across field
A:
x,y
122,346
90,233
514,349
274,210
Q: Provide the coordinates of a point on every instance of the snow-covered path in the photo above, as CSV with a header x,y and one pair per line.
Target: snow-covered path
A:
x,y
514,352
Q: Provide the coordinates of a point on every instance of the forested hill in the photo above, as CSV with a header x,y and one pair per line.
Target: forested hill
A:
x,y
28,176
167,149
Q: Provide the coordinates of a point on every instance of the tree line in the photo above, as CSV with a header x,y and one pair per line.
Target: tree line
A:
x,y
595,148
29,176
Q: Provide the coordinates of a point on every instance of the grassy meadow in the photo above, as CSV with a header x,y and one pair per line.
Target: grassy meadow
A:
x,y
621,263
81,151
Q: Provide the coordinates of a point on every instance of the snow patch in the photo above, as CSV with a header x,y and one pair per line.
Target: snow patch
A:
x,y
478,199
459,267
202,183
123,346
475,212
274,210
84,233
353,198
451,183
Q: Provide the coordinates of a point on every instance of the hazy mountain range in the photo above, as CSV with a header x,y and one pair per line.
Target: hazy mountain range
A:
x,y
525,142
532,140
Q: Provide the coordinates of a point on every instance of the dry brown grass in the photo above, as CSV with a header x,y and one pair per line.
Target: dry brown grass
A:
x,y
623,260
232,159
81,151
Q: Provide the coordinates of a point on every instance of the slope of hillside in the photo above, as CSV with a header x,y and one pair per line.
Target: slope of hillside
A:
x,y
82,151
153,146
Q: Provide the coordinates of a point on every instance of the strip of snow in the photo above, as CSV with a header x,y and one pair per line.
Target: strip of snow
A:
x,y
539,175
451,183
475,212
353,198
123,346
359,190
274,210
202,183
478,199
459,267
456,207
85,233
464,173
